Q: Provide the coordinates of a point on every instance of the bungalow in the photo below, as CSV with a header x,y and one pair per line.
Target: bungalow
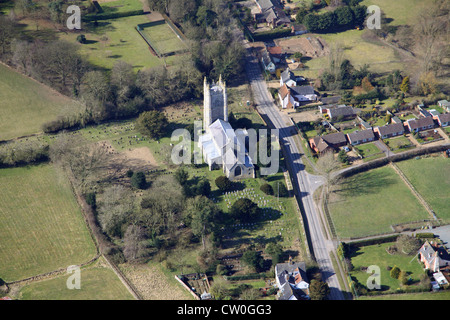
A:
x,y
424,113
329,142
433,256
396,119
416,125
359,137
443,119
390,130
444,104
293,97
341,112
291,281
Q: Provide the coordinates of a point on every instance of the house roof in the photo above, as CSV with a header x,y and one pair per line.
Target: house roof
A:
x,y
275,50
420,123
287,75
391,128
361,135
284,91
335,138
435,255
292,279
302,90
445,117
444,103
341,110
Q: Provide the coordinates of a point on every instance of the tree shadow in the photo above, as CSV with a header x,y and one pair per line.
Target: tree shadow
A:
x,y
365,183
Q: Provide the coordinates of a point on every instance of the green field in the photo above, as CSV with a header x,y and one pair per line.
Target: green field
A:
x,y
42,227
27,104
117,39
377,255
164,39
369,203
430,177
399,144
97,283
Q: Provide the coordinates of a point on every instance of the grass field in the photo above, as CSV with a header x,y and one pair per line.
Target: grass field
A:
x,y
117,39
369,203
377,255
27,104
97,283
430,177
163,37
399,144
42,228
441,295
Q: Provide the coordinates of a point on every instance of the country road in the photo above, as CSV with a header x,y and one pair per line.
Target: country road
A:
x,y
304,183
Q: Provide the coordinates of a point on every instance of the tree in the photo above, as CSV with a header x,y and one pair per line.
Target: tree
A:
x,y
253,260
223,183
267,189
275,250
202,213
318,290
408,244
138,180
6,33
181,175
152,123
134,242
404,87
244,210
327,165
395,272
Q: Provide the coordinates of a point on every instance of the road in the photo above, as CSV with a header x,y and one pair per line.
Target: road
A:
x,y
319,245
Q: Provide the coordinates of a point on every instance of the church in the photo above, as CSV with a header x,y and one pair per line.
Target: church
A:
x,y
223,147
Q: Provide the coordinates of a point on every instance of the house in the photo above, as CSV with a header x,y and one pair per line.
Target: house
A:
x,y
329,142
443,119
287,77
341,112
276,54
291,280
359,137
298,29
390,130
271,12
434,112
444,104
416,125
435,257
424,113
293,97
267,61
222,146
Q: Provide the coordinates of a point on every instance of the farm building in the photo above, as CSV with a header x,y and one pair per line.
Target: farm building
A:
x,y
359,137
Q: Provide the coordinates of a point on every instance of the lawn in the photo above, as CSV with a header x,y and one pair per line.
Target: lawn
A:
x,y
370,202
399,144
369,151
26,104
441,295
97,283
430,177
163,37
42,227
378,256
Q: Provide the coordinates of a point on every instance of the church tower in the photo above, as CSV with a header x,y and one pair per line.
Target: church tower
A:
x,y
215,104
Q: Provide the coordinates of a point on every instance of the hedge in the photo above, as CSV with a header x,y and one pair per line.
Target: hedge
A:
x,y
273,34
107,16
251,276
